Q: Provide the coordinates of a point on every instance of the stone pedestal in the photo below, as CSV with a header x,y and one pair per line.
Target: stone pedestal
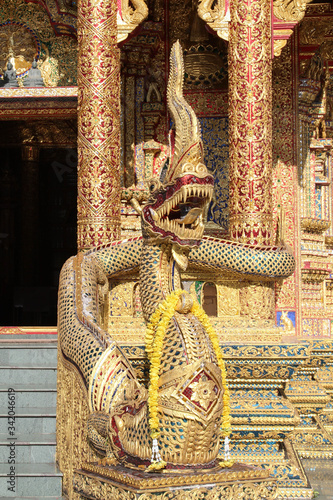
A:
x,y
110,482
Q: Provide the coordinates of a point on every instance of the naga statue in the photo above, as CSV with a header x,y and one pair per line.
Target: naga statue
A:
x,y
186,388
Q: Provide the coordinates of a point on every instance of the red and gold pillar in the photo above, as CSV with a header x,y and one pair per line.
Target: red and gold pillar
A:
x,y
250,121
98,123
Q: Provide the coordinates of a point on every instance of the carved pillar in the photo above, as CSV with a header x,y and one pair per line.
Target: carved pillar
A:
x,y
30,208
250,127
98,123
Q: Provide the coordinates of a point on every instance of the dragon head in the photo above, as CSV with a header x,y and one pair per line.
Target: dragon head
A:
x,y
178,200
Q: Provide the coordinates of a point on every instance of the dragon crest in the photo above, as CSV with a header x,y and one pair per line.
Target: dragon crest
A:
x,y
177,201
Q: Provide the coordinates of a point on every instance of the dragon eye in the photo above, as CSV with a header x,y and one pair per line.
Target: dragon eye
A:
x,y
153,185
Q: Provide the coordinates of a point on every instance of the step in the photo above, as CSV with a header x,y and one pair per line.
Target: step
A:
x,y
39,420
33,498
29,395
34,479
28,448
13,376
28,354
27,333
28,364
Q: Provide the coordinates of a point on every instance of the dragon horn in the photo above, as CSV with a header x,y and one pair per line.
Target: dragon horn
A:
x,y
187,128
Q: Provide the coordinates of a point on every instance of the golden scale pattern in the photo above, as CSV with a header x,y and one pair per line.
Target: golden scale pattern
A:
x,y
83,278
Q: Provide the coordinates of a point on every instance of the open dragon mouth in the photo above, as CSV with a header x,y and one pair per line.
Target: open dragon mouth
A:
x,y
177,214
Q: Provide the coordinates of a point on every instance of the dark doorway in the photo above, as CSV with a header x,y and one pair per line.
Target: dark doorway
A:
x,y
210,299
37,232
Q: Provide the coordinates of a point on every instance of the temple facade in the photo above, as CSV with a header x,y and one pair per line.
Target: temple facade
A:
x,y
85,126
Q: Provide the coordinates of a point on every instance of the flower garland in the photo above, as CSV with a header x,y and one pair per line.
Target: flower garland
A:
x,y
154,344
166,309
155,334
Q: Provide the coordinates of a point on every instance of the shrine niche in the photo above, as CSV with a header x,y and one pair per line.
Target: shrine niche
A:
x,y
27,33
18,45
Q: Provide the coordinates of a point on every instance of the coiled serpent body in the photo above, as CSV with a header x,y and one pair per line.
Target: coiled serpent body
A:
x,y
117,401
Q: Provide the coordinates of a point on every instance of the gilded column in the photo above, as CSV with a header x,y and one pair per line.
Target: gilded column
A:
x,y
250,121
98,123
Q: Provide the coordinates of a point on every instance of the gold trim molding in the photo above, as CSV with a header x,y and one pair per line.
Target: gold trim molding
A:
x,y
100,482
147,481
38,92
33,103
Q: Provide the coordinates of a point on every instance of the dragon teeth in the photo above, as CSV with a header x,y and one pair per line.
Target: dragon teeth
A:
x,y
153,214
184,194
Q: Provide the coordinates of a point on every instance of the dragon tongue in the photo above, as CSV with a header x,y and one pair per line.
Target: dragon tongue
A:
x,y
190,216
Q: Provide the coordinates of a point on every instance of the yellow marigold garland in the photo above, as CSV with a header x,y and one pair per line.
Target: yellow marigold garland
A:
x,y
154,344
155,333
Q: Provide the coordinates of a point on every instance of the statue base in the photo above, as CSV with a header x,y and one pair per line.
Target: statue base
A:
x,y
95,481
